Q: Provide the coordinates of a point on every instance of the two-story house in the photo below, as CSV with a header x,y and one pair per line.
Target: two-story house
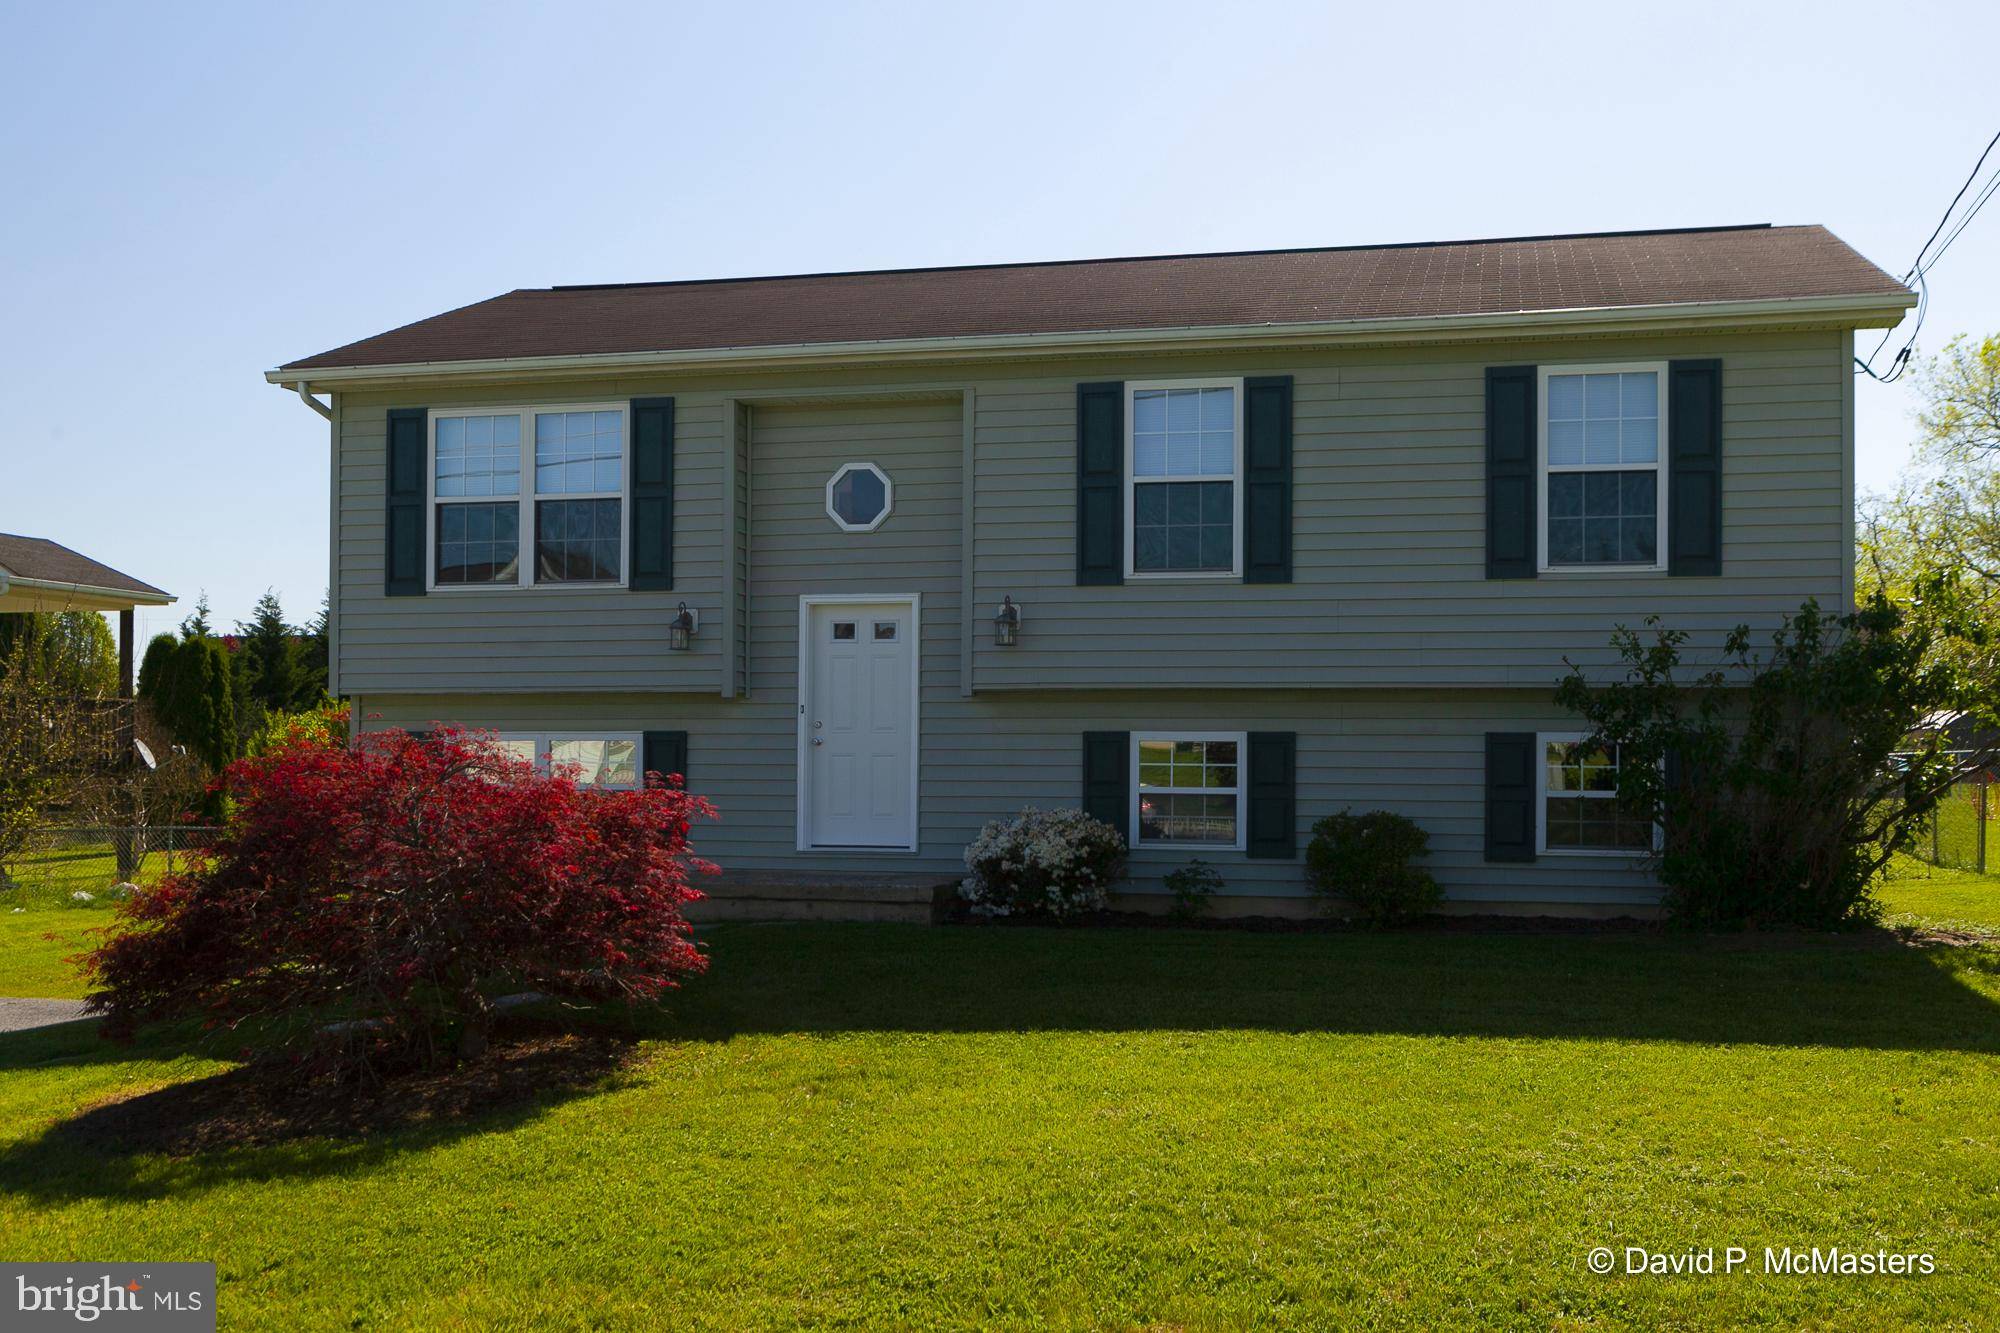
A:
x,y
1210,545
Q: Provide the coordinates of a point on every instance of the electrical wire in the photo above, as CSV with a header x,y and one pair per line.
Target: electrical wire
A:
x,y
1925,261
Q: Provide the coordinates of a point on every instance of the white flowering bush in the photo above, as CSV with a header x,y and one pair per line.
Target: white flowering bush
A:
x,y
1042,863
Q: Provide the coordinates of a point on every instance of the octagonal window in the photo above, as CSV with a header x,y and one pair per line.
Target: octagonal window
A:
x,y
859,497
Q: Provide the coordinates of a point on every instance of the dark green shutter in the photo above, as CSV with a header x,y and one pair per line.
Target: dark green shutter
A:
x,y
1511,506
403,554
1694,467
665,752
652,500
1510,795
1100,484
1107,778
1267,479
1272,791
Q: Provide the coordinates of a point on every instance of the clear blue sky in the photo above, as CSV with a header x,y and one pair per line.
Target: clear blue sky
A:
x,y
195,193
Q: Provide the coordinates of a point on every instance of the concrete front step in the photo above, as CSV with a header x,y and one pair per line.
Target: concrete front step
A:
x,y
771,895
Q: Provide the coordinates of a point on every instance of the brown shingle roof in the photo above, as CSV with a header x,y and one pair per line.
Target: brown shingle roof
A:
x,y
1179,291
43,560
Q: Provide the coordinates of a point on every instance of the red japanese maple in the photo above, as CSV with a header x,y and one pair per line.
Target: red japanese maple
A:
x,y
400,883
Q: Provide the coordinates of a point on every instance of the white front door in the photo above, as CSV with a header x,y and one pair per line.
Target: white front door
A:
x,y
858,724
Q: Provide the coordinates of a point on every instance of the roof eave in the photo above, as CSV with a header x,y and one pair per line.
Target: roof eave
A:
x,y
24,594
1883,310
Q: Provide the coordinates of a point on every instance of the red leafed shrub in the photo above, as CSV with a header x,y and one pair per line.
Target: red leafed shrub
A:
x,y
368,901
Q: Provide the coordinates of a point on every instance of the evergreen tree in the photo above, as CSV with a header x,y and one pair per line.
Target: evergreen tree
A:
x,y
154,666
190,685
271,661
313,657
196,626
214,704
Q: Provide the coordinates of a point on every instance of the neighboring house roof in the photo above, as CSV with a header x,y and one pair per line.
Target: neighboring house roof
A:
x,y
1616,270
35,569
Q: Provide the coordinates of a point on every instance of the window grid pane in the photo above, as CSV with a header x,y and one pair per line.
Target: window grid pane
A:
x,y
1580,807
1184,432
578,453
478,543
1604,518
577,541
1184,525
1604,420
478,456
1188,791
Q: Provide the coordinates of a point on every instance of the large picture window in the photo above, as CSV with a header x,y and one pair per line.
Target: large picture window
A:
x,y
1579,806
1603,484
1184,462
1189,791
570,515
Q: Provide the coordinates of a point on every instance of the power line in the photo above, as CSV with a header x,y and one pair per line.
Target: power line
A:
x,y
1921,266
1918,262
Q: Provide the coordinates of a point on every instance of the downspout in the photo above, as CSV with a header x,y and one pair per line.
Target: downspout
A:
x,y
305,396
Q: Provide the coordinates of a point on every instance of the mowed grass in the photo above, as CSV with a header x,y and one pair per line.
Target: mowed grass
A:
x,y
36,947
1927,895
882,1126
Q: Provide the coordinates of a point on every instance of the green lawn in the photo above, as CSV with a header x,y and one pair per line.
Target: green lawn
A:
x,y
884,1125
1920,894
35,946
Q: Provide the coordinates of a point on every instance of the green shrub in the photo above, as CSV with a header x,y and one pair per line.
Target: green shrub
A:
x,y
1193,885
1364,861
1783,780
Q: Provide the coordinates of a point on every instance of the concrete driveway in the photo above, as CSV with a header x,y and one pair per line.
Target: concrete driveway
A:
x,y
19,1015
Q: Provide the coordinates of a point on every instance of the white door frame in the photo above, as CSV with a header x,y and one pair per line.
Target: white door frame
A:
x,y
804,793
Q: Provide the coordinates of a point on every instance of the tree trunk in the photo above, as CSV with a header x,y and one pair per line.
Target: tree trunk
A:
x,y
478,1024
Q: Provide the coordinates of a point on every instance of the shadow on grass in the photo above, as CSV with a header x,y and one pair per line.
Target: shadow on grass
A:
x,y
265,1122
1864,991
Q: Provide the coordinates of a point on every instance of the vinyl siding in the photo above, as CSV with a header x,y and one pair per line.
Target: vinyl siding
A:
x,y
1388,532
1389,529
1419,753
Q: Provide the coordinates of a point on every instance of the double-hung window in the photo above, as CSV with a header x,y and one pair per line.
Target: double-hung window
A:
x,y
528,496
1579,806
1184,472
1190,789
1603,478
594,760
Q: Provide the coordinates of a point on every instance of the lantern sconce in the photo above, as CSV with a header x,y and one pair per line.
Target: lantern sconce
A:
x,y
682,628
1007,623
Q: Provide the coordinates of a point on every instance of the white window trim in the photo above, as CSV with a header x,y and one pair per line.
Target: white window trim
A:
x,y
1241,792
1543,740
888,497
1132,482
544,742
524,574
1659,565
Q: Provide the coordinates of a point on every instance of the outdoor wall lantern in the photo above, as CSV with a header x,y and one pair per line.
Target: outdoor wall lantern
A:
x,y
1007,623
682,628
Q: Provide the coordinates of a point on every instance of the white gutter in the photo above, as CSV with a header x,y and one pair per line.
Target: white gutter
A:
x,y
1884,311
15,583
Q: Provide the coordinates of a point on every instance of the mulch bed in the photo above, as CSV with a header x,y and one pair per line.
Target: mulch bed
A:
x,y
272,1102
1750,937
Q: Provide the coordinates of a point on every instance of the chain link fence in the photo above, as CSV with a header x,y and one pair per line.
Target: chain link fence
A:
x,y
63,862
1961,832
